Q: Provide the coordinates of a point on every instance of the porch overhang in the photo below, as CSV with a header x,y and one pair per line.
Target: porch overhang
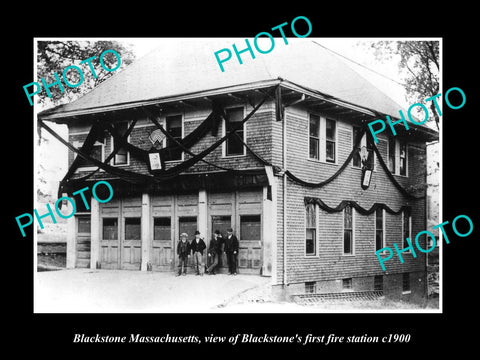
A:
x,y
217,181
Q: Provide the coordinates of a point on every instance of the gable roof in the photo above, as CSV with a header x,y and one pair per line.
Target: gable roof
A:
x,y
186,67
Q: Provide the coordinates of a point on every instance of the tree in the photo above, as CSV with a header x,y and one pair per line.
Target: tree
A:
x,y
419,61
54,56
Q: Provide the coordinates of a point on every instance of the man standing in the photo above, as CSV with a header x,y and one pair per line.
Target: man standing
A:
x,y
198,245
214,251
183,252
231,249
191,260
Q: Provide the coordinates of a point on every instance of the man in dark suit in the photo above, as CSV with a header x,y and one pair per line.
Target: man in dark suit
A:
x,y
231,249
197,246
214,251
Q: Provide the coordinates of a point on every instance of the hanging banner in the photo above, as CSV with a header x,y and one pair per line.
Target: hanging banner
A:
x,y
366,177
155,162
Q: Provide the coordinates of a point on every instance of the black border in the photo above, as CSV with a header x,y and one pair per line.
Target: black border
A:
x,y
430,332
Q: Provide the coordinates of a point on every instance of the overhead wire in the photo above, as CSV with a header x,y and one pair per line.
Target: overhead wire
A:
x,y
360,64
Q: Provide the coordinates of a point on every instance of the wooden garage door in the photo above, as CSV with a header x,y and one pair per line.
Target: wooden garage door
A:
x,y
121,244
110,244
131,251
222,223
242,211
187,224
249,231
162,243
250,249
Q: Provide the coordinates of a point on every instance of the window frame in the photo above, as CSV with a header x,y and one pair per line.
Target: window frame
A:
x,y
125,218
335,141
224,132
353,232
397,142
240,226
117,218
77,225
400,142
406,275
313,285
347,281
112,144
378,280
181,217
317,138
409,230
383,230
394,141
153,227
79,144
322,139
163,122
315,240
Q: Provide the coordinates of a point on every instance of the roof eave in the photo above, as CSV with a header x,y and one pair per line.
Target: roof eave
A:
x,y
422,131
56,115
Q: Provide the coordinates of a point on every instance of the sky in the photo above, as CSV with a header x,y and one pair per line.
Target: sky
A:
x,y
353,48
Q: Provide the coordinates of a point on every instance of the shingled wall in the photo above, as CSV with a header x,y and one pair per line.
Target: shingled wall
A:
x,y
330,263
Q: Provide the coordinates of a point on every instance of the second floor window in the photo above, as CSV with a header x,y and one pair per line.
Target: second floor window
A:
x,y
97,152
174,128
314,140
322,139
403,158
121,157
397,156
331,130
391,155
234,145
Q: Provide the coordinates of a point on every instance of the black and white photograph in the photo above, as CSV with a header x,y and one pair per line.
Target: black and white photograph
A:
x,y
207,181
281,173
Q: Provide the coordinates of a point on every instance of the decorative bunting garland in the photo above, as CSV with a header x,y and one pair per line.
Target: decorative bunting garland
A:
x,y
179,144
392,178
343,204
133,177
334,176
86,148
210,123
344,165
116,148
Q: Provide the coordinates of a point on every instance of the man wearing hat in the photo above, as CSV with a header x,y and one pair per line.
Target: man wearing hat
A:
x,y
214,251
197,246
183,252
231,249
